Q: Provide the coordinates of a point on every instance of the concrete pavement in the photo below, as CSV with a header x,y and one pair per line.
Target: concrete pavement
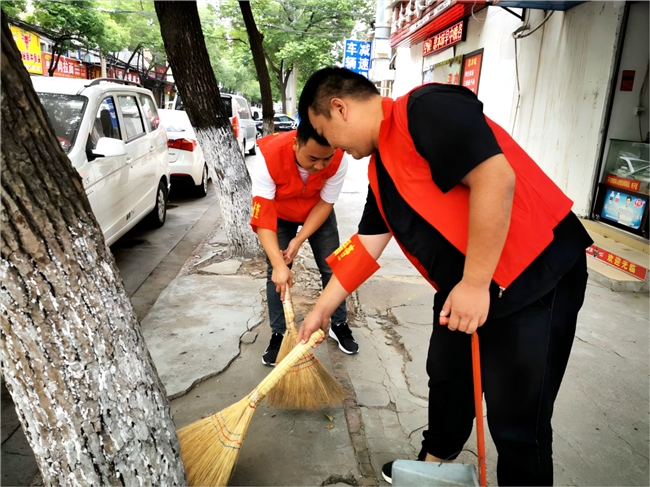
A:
x,y
601,419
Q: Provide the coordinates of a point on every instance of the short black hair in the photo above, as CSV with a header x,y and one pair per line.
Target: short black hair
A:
x,y
329,83
306,131
629,198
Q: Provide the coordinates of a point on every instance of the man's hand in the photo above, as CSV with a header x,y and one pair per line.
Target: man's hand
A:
x,y
290,253
466,307
282,277
313,321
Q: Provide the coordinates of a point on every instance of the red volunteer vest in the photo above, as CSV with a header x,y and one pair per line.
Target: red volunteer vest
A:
x,y
293,198
538,205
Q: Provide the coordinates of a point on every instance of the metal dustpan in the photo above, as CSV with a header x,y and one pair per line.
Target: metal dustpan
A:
x,y
408,473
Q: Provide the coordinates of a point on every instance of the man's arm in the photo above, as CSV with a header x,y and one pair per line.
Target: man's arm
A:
x,y
315,219
491,190
281,273
334,293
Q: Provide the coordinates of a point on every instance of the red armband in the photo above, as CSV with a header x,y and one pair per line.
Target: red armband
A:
x,y
352,264
264,214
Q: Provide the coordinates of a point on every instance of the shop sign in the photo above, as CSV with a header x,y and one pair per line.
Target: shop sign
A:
x,y
472,71
617,261
161,72
66,68
443,40
29,45
119,73
356,56
627,80
623,183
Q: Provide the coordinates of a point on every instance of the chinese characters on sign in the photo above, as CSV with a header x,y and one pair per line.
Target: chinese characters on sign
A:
x,y
356,56
66,68
443,40
472,72
624,209
623,183
29,46
617,261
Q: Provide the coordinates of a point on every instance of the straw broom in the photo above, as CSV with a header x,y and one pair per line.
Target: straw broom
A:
x,y
308,385
210,446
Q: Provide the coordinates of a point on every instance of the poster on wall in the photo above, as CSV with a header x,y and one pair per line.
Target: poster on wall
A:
x,y
624,209
471,71
448,72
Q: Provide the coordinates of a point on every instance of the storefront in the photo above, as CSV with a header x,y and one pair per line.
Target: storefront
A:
x,y
622,185
29,45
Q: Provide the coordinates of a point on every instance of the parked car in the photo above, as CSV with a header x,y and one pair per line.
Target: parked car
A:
x,y
240,118
111,132
186,161
283,123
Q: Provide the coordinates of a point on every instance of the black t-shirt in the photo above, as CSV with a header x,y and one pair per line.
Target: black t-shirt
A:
x,y
449,130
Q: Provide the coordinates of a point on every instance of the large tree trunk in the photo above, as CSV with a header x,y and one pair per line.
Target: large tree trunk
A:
x,y
180,28
86,391
255,39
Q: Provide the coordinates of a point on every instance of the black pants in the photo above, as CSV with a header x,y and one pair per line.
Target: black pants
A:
x,y
323,242
523,359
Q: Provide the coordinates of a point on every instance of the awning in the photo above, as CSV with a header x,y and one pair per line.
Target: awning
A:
x,y
538,5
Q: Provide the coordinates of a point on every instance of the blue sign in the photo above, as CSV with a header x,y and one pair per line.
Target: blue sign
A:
x,y
356,56
623,208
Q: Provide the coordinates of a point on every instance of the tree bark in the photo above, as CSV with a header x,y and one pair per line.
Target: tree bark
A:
x,y
255,39
85,389
187,54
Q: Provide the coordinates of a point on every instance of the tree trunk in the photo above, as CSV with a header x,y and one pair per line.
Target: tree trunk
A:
x,y
181,31
284,81
85,389
255,39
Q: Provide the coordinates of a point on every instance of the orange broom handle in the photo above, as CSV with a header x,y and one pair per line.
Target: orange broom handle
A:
x,y
478,405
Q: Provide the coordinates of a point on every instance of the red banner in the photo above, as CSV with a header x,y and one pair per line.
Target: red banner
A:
x,y
618,262
472,72
443,40
66,68
623,183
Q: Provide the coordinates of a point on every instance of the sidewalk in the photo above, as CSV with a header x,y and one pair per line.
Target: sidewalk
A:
x,y
601,418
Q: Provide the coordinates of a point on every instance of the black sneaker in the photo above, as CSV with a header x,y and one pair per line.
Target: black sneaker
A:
x,y
387,472
342,334
271,352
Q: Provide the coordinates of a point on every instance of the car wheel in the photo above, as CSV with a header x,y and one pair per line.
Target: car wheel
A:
x,y
253,150
202,189
158,215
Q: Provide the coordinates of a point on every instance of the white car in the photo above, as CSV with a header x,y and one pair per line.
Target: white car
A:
x,y
186,159
242,121
111,132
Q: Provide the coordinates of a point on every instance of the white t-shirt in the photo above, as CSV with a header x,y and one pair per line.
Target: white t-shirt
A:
x,y
264,186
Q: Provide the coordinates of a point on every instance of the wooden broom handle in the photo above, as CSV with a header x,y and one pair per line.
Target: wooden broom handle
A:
x,y
289,315
282,368
478,405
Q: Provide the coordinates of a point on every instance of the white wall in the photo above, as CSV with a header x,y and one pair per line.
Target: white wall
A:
x,y
565,70
624,124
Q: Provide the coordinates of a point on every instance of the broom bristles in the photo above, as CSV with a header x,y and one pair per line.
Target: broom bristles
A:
x,y
210,447
308,385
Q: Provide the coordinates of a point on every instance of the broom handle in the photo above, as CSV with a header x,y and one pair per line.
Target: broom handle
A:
x,y
478,405
282,368
289,315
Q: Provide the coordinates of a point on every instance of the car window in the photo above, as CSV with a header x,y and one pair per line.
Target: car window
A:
x,y
65,113
242,108
149,111
133,125
227,101
105,123
285,119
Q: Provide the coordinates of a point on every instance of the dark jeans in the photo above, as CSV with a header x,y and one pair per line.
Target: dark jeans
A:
x,y
323,242
523,359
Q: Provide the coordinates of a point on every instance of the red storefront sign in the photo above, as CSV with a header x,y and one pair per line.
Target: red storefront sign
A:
x,y
161,72
623,183
472,71
443,40
617,261
120,73
66,68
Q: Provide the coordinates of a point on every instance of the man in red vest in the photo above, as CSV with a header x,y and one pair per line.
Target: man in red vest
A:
x,y
489,230
297,178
